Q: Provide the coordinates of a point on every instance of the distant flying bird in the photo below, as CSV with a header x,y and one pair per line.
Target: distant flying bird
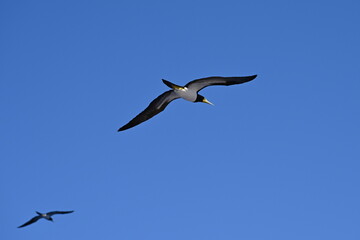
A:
x,y
47,216
188,92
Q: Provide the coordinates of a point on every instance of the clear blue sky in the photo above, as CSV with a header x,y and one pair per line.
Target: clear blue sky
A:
x,y
276,158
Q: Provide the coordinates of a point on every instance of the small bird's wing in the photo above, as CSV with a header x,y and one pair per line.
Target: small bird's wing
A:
x,y
34,219
201,83
155,107
58,212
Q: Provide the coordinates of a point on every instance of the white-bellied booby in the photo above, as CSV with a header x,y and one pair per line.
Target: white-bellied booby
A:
x,y
47,216
188,92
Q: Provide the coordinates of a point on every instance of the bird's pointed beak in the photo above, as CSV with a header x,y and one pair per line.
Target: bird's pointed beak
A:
x,y
207,101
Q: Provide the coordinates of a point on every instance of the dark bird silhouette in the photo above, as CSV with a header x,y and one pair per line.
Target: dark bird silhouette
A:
x,y
188,92
47,216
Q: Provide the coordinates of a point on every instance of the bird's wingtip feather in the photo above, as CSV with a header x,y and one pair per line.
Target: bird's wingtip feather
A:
x,y
123,128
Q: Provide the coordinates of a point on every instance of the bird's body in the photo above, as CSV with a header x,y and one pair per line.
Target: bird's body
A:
x,y
46,216
188,92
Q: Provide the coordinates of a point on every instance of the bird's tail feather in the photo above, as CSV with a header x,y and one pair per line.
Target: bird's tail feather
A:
x,y
172,85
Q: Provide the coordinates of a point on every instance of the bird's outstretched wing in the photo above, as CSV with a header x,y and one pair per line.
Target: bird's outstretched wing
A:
x,y
34,219
155,107
58,212
201,83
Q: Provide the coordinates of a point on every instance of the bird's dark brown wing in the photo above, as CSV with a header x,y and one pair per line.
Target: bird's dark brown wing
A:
x,y
58,212
155,107
34,219
201,83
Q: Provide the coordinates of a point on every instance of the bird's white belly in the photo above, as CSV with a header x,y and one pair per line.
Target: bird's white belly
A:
x,y
186,94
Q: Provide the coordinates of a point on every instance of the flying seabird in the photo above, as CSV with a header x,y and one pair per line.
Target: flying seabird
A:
x,y
47,216
188,92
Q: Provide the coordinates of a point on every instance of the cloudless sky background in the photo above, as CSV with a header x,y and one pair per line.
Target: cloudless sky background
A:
x,y
275,158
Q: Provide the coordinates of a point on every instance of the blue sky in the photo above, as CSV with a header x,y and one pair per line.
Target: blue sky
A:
x,y
276,158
